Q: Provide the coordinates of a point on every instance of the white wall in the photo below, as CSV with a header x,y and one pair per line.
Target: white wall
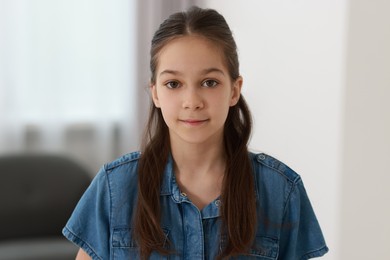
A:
x,y
292,60
365,211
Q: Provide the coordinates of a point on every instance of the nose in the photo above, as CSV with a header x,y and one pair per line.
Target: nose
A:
x,y
193,99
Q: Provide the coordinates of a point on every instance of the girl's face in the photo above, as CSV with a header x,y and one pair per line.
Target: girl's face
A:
x,y
193,89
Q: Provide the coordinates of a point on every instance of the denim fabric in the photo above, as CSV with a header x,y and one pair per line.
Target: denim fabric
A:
x,y
287,226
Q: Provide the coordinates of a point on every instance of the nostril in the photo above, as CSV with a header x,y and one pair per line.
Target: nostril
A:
x,y
192,99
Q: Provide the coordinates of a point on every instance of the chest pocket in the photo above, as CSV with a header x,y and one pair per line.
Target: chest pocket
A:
x,y
265,248
124,246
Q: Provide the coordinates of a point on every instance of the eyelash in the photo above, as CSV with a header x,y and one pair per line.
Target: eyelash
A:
x,y
203,84
170,82
215,83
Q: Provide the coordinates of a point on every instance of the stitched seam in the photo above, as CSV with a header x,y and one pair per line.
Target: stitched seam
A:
x,y
293,187
114,164
296,179
78,241
313,253
110,192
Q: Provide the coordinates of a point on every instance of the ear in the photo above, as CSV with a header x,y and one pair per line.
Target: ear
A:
x,y
236,91
153,89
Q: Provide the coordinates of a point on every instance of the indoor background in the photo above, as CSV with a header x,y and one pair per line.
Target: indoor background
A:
x,y
74,77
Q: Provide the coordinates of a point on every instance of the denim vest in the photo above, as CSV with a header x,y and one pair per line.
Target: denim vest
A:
x,y
287,226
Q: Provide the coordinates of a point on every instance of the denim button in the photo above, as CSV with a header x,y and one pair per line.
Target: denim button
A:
x,y
262,157
217,203
183,194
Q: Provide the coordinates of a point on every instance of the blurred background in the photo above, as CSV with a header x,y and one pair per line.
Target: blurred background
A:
x,y
74,76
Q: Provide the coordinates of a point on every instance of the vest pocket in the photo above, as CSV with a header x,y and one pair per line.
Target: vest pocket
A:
x,y
124,245
263,247
123,238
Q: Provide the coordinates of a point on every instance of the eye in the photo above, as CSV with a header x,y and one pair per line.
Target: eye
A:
x,y
209,83
172,84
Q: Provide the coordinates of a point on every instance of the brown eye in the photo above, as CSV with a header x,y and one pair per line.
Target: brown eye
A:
x,y
209,83
172,84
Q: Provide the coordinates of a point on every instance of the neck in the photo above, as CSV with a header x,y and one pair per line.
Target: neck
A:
x,y
198,159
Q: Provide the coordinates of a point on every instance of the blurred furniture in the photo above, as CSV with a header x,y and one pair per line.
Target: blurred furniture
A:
x,y
37,195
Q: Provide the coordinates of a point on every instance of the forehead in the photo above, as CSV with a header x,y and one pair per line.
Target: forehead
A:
x,y
190,53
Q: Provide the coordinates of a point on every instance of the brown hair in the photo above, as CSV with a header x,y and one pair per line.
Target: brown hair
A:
x,y
238,209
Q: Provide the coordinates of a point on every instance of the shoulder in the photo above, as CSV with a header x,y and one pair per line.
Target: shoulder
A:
x,y
116,176
268,166
275,182
121,176
130,159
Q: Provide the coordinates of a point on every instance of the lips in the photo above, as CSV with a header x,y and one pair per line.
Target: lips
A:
x,y
193,122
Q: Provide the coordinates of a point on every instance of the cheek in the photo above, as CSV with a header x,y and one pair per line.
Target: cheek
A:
x,y
221,106
221,100
168,107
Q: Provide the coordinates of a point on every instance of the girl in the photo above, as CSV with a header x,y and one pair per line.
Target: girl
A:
x,y
195,192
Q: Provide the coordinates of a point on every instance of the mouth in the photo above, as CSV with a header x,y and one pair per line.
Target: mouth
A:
x,y
194,122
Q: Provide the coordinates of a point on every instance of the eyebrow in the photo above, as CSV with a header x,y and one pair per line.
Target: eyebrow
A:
x,y
204,72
